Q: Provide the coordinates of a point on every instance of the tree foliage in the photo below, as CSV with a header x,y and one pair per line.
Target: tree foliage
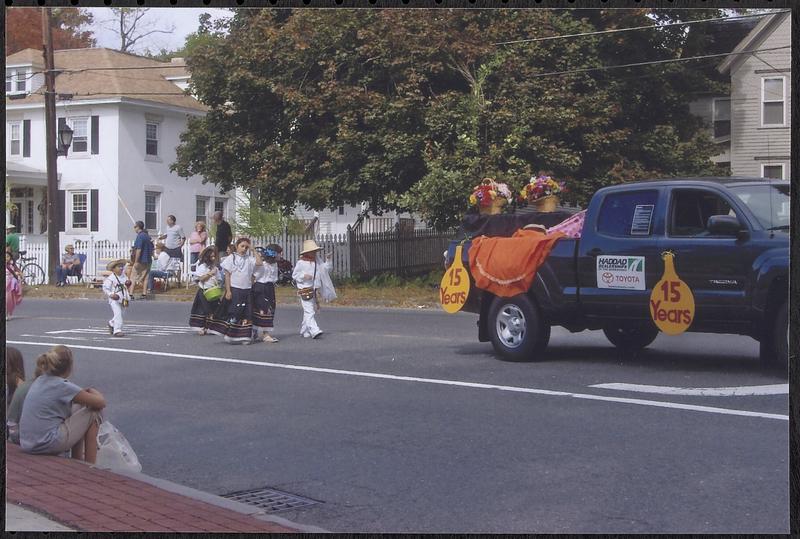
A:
x,y
407,110
24,29
131,25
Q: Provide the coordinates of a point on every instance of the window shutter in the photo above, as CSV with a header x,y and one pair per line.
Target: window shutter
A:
x,y
62,122
61,216
95,135
26,138
95,199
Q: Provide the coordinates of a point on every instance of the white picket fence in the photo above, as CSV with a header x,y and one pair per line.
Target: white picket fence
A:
x,y
99,253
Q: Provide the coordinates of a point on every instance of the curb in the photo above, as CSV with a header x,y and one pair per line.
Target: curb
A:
x,y
219,501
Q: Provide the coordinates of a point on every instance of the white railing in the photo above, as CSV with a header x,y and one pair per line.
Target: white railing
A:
x,y
99,253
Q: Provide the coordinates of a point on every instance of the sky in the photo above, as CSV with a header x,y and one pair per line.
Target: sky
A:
x,y
185,21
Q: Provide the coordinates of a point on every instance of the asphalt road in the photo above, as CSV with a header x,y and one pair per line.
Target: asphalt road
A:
x,y
400,421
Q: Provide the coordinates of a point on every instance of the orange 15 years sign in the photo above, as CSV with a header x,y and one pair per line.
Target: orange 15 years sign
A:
x,y
454,289
671,302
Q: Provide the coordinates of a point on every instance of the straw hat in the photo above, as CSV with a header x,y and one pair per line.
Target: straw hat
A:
x,y
310,246
115,263
10,226
205,250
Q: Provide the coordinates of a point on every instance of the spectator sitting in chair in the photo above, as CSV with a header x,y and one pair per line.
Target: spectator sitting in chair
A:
x,y
164,266
70,266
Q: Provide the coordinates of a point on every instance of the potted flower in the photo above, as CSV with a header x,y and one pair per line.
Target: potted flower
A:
x,y
490,196
542,192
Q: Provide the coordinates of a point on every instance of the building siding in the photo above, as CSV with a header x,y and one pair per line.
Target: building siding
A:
x,y
751,144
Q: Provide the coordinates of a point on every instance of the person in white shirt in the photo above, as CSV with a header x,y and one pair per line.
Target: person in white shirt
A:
x,y
209,291
174,238
311,274
116,290
164,266
239,268
264,303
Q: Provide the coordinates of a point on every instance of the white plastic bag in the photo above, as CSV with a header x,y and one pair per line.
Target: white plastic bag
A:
x,y
114,452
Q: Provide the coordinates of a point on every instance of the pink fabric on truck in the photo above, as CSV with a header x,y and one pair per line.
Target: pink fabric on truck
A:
x,y
572,227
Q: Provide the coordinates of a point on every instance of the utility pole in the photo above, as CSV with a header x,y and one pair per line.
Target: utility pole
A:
x,y
50,135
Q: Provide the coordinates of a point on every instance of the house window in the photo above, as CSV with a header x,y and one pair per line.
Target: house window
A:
x,y
80,134
722,118
16,81
772,171
151,210
79,210
772,101
201,209
219,205
151,138
341,210
15,138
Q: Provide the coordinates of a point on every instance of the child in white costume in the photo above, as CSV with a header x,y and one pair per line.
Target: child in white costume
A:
x,y
116,290
312,276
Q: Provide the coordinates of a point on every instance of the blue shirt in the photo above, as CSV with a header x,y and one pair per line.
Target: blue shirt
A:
x,y
144,243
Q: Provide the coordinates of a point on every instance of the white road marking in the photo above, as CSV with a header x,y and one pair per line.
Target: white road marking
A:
x,y
774,389
529,390
140,330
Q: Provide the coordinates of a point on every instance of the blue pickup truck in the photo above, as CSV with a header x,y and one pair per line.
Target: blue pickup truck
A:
x,y
730,239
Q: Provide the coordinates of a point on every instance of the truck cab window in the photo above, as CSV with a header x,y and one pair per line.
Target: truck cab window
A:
x,y
691,209
621,213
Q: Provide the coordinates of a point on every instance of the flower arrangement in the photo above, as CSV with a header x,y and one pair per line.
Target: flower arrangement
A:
x,y
541,186
487,192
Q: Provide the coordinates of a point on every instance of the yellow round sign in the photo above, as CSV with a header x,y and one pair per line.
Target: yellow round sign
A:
x,y
671,302
454,289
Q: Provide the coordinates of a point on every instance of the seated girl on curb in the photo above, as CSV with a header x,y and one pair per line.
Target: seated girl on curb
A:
x,y
58,415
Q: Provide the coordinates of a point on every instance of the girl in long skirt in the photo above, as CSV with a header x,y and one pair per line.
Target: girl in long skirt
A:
x,y
239,268
264,293
206,275
13,285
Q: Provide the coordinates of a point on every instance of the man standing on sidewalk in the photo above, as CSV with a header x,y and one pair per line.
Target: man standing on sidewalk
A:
x,y
174,238
224,234
142,258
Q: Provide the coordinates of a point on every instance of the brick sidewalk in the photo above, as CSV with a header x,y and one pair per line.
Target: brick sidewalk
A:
x,y
90,499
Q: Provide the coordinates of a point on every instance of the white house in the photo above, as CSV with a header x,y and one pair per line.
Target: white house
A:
x,y
761,100
127,113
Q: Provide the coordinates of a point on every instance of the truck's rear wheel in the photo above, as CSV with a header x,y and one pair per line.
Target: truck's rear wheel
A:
x,y
633,337
517,329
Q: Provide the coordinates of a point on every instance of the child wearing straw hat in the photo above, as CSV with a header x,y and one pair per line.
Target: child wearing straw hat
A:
x,y
116,290
311,274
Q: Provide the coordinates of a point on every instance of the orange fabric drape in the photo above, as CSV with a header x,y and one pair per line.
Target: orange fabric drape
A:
x,y
506,266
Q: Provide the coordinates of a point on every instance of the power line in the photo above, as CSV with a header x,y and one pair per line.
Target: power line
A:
x,y
648,27
654,62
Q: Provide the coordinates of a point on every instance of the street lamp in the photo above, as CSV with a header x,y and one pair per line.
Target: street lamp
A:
x,y
64,140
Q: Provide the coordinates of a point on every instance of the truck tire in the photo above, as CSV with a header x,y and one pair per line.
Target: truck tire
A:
x,y
774,349
633,337
517,329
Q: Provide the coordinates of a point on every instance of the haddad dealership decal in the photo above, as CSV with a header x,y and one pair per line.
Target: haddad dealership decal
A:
x,y
625,272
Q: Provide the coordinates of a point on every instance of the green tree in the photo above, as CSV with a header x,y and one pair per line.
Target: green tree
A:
x,y
407,110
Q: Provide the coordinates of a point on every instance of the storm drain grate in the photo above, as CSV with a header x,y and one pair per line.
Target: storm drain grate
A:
x,y
270,500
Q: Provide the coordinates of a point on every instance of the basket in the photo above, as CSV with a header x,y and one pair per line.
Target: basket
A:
x,y
213,293
494,208
545,204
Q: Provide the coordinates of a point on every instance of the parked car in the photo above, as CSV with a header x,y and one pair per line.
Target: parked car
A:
x,y
730,239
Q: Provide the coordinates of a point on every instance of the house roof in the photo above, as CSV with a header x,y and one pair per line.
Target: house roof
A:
x,y
26,56
133,77
756,35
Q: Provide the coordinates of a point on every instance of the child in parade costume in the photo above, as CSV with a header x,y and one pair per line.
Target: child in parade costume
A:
x,y
239,268
264,293
13,285
311,273
209,290
116,290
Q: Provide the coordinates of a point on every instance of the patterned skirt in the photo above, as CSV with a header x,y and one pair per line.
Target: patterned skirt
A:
x,y
202,312
230,317
263,305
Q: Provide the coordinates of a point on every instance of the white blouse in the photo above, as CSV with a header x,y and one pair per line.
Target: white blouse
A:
x,y
241,269
267,273
212,281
